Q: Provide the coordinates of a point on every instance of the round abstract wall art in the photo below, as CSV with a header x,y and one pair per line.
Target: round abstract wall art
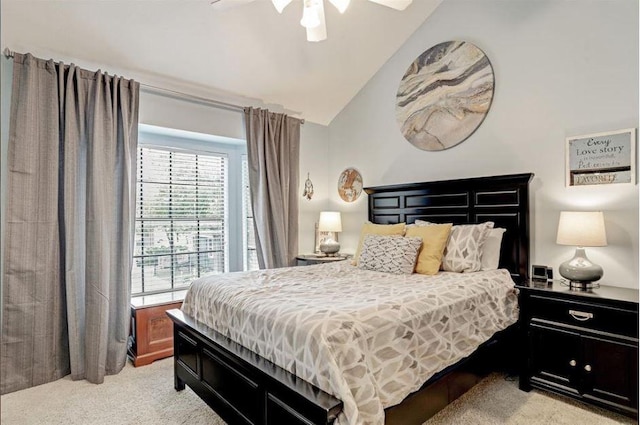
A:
x,y
350,185
445,95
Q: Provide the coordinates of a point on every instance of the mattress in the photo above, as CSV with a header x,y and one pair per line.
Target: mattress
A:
x,y
368,338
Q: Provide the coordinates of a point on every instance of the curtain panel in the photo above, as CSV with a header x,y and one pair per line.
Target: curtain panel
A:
x,y
273,151
69,223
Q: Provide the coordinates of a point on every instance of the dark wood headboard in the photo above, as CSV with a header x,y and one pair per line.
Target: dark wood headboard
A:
x,y
501,199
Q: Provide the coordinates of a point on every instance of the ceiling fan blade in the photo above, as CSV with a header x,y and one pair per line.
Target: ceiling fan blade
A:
x,y
394,4
318,33
227,4
280,4
341,5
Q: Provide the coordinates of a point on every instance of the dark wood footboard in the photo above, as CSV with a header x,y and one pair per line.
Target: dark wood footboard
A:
x,y
242,387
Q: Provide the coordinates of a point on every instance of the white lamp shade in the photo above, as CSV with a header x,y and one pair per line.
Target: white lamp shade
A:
x,y
579,228
330,221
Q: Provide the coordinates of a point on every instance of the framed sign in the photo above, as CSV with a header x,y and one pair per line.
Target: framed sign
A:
x,y
601,158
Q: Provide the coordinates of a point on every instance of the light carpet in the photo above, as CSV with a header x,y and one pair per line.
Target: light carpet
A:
x,y
145,395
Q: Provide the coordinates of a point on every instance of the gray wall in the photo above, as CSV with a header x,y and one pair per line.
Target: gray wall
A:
x,y
562,68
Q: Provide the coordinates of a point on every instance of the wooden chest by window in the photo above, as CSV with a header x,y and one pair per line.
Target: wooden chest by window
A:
x,y
151,329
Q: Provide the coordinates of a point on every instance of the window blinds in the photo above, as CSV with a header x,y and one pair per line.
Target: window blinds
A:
x,y
181,218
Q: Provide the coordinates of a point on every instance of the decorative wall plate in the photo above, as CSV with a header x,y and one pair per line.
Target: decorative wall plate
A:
x,y
350,185
445,95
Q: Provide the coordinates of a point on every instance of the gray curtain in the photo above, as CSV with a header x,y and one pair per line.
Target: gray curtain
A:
x,y
273,148
69,223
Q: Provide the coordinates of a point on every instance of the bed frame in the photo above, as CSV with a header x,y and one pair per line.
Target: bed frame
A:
x,y
243,388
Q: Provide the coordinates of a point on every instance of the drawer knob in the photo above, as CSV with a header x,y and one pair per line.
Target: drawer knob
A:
x,y
580,315
587,368
572,363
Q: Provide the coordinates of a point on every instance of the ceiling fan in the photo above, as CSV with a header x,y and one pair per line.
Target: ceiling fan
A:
x,y
313,13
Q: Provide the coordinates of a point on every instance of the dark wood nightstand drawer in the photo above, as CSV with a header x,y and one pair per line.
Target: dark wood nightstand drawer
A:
x,y
583,344
586,315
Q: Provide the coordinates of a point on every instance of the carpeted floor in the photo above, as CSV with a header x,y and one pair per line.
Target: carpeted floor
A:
x,y
145,395
496,400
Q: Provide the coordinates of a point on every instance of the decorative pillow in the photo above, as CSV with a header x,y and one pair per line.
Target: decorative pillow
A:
x,y
434,241
390,254
491,249
369,228
464,248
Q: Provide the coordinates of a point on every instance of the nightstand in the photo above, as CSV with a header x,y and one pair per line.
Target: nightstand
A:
x,y
581,344
309,259
151,329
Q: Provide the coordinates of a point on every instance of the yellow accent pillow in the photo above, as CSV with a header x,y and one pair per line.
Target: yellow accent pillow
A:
x,y
434,241
377,229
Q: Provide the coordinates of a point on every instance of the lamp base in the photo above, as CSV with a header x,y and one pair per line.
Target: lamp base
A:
x,y
330,247
580,271
582,286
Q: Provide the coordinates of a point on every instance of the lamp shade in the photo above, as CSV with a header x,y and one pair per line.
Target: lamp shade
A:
x,y
579,228
330,221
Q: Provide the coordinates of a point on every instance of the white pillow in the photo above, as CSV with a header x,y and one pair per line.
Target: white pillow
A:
x,y
491,249
389,254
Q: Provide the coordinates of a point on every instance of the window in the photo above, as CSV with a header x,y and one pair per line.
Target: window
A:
x,y
192,215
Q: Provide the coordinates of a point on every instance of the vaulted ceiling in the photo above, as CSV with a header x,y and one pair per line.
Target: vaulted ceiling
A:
x,y
244,53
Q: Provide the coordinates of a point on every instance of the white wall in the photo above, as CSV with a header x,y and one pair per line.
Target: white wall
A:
x,y
170,112
314,157
562,68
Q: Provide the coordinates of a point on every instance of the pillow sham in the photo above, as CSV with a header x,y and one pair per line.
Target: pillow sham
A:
x,y
390,254
464,248
369,228
491,249
463,252
434,240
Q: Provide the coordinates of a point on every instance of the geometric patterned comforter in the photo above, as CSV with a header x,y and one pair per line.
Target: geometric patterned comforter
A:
x,y
368,338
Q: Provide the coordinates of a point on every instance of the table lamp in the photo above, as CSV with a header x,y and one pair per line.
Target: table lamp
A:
x,y
581,229
330,222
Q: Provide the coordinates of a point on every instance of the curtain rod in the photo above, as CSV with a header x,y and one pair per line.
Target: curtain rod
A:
x,y
186,96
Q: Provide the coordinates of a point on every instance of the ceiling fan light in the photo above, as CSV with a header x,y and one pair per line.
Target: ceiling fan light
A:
x,y
280,4
310,18
318,33
341,5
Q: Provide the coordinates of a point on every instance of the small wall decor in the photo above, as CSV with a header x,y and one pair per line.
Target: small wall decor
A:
x,y
444,95
350,185
601,158
308,188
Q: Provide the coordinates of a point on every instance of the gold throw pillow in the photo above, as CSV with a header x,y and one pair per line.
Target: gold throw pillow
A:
x,y
434,241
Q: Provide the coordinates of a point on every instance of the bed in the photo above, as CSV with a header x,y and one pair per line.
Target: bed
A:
x,y
222,366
